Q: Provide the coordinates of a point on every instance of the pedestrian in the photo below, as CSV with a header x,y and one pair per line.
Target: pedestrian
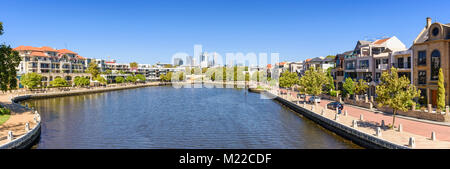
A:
x,y
339,108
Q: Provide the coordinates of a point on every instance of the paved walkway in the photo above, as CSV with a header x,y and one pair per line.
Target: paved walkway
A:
x,y
421,129
16,122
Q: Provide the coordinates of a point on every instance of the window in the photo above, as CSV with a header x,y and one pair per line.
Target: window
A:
x,y
364,64
385,61
408,62
422,56
377,76
435,64
400,63
422,77
435,31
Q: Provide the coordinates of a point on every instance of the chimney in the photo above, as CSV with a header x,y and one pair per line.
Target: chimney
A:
x,y
428,22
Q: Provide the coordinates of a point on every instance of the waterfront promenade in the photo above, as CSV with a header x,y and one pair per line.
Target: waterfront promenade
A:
x,y
419,129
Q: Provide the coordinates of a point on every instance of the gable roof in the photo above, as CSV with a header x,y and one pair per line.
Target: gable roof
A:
x,y
381,41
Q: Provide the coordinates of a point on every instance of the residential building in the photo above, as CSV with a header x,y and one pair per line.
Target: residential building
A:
x,y
50,63
430,52
370,59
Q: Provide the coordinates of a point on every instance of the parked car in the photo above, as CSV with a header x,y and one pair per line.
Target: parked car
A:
x,y
314,99
301,96
333,105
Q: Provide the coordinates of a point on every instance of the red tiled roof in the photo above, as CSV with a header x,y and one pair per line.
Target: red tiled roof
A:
x,y
282,63
46,48
81,57
381,41
28,48
66,51
307,60
269,66
38,53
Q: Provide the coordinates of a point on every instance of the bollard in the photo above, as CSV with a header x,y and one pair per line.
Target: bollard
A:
x,y
367,99
382,124
35,112
447,110
336,117
433,136
304,104
356,98
355,124
27,127
400,128
361,117
430,109
412,142
378,132
10,136
370,106
345,113
323,112
312,107
371,98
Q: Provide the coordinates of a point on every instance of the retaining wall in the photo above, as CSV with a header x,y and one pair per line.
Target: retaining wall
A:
x,y
358,137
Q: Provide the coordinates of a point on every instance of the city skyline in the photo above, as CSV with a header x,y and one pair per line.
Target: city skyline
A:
x,y
153,31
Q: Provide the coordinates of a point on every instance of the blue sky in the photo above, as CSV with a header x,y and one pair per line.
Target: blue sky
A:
x,y
151,31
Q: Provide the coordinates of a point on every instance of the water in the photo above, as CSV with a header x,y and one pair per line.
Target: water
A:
x,y
166,117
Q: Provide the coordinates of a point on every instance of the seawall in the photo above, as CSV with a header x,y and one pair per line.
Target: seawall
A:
x,y
358,137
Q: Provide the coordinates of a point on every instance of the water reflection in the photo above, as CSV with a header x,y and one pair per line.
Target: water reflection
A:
x,y
166,117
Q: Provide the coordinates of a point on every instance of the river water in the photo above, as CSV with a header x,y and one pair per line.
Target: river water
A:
x,y
167,117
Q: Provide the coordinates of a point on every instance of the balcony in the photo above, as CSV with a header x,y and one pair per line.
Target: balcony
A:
x,y
382,66
406,65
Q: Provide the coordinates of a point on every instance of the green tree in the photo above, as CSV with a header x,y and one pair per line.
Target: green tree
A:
x,y
289,79
397,93
168,66
330,84
131,79
140,77
441,91
59,82
81,81
9,60
133,65
166,77
361,86
348,87
31,80
101,80
108,72
93,69
180,75
119,79
312,81
247,77
121,72
331,56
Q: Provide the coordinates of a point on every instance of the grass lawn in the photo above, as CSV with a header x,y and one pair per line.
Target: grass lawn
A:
x,y
4,118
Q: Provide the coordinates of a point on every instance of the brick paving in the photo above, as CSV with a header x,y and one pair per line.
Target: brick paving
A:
x,y
418,129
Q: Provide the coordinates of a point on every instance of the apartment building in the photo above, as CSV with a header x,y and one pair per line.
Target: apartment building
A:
x,y
51,63
430,52
370,59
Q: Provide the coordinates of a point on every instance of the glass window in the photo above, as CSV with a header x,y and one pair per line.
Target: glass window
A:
x,y
435,64
422,56
422,77
364,64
